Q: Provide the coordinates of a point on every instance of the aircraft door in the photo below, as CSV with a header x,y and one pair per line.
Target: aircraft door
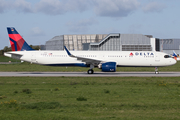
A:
x,y
33,57
157,57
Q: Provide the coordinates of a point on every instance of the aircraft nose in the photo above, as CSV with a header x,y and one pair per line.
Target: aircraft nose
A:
x,y
173,61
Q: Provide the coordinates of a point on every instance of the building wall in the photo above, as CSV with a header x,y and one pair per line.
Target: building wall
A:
x,y
135,42
170,45
75,42
123,42
170,52
102,42
110,43
56,43
152,40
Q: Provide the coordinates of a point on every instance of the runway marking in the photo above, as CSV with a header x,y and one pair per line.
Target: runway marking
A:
x,y
84,74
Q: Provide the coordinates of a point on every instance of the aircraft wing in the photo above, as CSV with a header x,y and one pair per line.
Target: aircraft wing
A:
x,y
83,59
88,60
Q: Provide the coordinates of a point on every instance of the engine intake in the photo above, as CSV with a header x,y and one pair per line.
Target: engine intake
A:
x,y
109,67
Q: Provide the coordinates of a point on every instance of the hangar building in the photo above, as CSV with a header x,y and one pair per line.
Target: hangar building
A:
x,y
168,45
105,42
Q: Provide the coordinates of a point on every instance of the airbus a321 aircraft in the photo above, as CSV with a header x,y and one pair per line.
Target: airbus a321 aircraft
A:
x,y
105,60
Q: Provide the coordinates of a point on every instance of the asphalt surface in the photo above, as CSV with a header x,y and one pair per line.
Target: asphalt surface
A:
x,y
84,74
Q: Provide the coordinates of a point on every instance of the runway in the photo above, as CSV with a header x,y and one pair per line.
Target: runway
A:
x,y
84,74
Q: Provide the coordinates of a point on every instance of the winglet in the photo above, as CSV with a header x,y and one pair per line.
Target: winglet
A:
x,y
68,52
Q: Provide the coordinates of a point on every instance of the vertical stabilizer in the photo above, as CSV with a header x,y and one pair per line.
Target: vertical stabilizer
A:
x,y
16,41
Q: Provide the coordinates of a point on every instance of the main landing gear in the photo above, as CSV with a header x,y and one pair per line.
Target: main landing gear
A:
x,y
156,70
91,71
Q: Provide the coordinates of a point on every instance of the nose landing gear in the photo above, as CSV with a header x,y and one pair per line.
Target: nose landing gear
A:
x,y
156,70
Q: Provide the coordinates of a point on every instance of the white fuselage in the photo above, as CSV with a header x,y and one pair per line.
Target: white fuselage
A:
x,y
122,58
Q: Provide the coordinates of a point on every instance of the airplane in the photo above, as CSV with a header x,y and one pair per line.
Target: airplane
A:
x,y
107,61
175,56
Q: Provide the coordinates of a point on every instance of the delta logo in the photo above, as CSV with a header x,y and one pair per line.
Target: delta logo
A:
x,y
142,54
131,54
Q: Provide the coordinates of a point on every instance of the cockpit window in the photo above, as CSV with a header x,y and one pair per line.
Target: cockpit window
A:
x,y
167,56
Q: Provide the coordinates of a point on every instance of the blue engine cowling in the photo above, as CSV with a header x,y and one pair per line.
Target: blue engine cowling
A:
x,y
109,67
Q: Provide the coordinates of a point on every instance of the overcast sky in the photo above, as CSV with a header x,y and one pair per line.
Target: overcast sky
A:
x,y
40,20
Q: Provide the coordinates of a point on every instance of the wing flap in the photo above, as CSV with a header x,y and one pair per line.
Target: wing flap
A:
x,y
88,60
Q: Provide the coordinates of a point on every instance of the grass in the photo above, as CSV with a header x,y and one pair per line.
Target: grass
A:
x,y
97,98
7,59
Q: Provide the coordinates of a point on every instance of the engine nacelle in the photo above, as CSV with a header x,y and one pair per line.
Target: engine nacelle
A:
x,y
109,67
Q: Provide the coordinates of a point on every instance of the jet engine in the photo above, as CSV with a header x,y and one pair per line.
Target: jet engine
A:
x,y
108,67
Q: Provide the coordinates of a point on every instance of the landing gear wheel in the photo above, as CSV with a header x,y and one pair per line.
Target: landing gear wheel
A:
x,y
90,71
156,70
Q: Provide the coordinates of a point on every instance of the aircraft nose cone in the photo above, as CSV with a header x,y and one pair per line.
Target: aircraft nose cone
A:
x,y
173,61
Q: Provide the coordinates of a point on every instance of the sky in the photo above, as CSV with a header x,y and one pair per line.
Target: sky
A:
x,y
40,20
